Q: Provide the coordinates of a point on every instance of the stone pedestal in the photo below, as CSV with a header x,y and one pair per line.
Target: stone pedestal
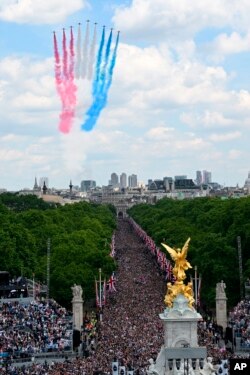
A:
x,y
221,305
77,307
180,349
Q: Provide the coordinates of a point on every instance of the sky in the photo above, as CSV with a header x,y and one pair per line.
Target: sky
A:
x,y
179,99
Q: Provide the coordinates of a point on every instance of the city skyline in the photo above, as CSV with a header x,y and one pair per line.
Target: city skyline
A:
x,y
124,180
179,100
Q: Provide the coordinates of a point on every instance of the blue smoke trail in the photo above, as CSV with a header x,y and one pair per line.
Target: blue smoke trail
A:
x,y
98,65
112,65
100,100
104,68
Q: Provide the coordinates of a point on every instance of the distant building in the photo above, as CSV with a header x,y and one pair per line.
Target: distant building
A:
x,y
42,181
156,185
132,181
44,188
114,181
87,185
168,183
247,183
198,178
123,181
184,184
181,177
206,177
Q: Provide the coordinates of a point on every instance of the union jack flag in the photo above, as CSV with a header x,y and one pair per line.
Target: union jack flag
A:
x,y
111,283
169,271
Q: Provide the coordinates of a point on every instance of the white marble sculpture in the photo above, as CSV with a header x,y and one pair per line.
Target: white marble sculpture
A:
x,y
181,371
77,306
77,291
151,368
208,368
220,289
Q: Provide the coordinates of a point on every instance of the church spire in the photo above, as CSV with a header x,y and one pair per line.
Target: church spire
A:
x,y
44,188
36,187
70,187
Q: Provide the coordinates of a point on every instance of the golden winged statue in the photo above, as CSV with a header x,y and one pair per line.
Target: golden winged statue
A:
x,y
179,257
181,265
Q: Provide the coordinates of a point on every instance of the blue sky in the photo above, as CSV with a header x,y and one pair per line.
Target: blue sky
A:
x,y
179,101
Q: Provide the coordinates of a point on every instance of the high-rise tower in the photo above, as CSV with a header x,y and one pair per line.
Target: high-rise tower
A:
x,y
123,180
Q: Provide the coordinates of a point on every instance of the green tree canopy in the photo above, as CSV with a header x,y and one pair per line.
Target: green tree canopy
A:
x,y
213,225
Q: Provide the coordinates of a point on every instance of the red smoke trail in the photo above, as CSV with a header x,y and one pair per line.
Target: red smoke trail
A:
x,y
58,75
57,63
72,55
65,56
71,87
65,83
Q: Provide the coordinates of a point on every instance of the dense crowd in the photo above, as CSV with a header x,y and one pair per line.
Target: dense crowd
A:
x,y
240,322
37,327
130,329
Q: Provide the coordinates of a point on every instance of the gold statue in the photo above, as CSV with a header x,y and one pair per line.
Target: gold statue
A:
x,y
179,257
181,265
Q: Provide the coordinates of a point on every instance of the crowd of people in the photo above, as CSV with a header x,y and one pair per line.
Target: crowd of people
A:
x,y
130,329
240,322
36,327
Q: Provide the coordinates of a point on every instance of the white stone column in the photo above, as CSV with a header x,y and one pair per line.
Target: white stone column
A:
x,y
180,331
77,307
221,305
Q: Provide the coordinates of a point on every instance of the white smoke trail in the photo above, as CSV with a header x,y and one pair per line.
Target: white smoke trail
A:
x,y
85,52
92,55
78,53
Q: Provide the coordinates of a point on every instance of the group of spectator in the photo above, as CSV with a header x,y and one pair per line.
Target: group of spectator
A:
x,y
240,322
36,327
130,329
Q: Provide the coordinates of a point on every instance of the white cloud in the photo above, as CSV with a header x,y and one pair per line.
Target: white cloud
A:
x,y
207,119
160,133
169,20
224,137
235,154
10,155
224,45
39,11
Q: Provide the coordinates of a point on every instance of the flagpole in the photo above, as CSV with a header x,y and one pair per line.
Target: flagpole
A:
x,y
34,292
100,292
195,284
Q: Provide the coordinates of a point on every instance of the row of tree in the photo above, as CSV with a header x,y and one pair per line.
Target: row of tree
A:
x,y
213,225
79,235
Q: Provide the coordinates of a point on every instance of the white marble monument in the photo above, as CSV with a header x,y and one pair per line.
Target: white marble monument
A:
x,y
221,305
180,340
77,307
180,353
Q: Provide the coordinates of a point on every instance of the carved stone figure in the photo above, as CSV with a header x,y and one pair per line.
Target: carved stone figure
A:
x,y
188,369
208,368
151,369
77,291
220,288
